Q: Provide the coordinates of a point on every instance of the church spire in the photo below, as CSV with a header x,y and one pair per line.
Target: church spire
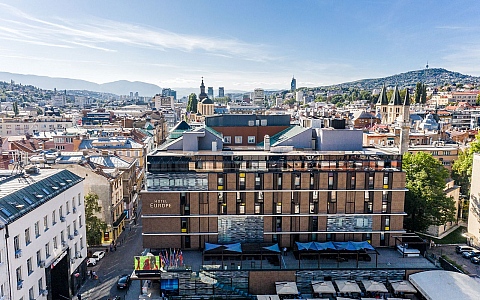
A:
x,y
202,95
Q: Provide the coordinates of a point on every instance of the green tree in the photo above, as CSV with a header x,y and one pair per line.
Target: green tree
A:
x,y
95,226
462,166
424,94
192,103
418,92
478,100
425,201
15,108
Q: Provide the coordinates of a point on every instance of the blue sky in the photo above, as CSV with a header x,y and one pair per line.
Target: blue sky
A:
x,y
240,45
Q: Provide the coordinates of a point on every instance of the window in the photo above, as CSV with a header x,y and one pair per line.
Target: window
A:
x,y
67,204
279,208
37,229
241,208
27,236
29,266
446,153
45,223
386,196
296,208
39,257
55,242
387,180
241,181
297,181
80,223
62,236
79,199
331,181
352,181
54,218
368,207
60,211
40,285
350,204
16,244
258,181
278,224
332,202
184,225
227,139
31,296
19,275
238,139
251,139
371,180
81,243
47,250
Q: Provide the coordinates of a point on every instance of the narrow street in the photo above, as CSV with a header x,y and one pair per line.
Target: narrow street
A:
x,y
114,264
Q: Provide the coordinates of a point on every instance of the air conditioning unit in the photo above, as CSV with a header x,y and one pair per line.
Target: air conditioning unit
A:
x,y
72,260
75,232
74,210
42,264
78,254
62,218
64,244
70,237
44,292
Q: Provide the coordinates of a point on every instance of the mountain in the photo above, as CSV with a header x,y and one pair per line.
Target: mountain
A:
x,y
435,76
121,87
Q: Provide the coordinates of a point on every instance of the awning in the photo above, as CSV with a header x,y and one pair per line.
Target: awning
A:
x,y
286,288
374,286
323,287
402,286
347,286
119,220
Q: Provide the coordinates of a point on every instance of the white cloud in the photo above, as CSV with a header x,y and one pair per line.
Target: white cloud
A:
x,y
107,35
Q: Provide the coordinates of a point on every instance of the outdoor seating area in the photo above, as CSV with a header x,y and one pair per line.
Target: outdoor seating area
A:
x,y
346,289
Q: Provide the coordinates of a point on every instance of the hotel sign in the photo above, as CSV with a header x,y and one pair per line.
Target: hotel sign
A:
x,y
160,203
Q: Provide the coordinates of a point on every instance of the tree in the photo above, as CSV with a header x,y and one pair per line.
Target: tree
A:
x,y
418,92
424,94
478,100
15,108
95,226
462,166
425,201
192,103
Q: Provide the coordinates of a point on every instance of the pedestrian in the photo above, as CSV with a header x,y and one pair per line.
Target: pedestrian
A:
x,y
90,274
94,275
115,247
79,296
284,251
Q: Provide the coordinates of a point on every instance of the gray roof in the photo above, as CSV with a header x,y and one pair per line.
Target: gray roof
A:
x,y
109,161
395,100
21,193
382,99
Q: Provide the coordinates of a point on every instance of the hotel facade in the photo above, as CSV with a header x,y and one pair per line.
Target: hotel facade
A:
x,y
299,184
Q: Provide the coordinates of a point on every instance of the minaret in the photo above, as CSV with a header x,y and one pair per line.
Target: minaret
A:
x,y
405,125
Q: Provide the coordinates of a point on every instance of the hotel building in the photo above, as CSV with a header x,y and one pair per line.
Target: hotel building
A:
x,y
291,184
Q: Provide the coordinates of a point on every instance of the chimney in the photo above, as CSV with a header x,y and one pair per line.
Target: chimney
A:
x,y
266,142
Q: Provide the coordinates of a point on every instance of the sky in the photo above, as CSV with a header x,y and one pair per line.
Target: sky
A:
x,y
240,45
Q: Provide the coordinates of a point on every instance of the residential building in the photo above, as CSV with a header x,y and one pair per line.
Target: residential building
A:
x,y
221,92
42,235
469,97
474,204
31,126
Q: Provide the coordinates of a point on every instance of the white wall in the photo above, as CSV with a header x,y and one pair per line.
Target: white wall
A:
x,y
474,206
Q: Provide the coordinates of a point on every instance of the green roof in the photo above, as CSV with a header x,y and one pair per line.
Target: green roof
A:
x,y
285,135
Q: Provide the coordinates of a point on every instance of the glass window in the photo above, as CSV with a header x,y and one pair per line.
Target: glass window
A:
x,y
238,139
45,223
37,229
251,139
54,218
279,208
227,139
47,250
27,236
29,266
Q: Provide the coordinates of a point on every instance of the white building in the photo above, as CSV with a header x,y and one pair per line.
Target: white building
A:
x,y
32,126
259,97
42,235
474,205
164,102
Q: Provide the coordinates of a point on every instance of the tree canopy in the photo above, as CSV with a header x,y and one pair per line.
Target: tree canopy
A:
x,y
425,201
462,166
95,226
192,103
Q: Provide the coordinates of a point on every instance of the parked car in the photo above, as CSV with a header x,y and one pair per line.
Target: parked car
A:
x,y
91,262
475,260
123,281
460,249
98,255
470,254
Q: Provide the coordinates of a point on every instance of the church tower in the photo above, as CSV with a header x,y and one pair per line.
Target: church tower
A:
x,y
202,95
405,124
382,105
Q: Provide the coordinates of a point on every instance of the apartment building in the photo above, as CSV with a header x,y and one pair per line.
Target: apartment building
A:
x,y
43,235
32,126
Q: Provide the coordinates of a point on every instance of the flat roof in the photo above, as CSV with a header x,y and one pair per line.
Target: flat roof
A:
x,y
445,285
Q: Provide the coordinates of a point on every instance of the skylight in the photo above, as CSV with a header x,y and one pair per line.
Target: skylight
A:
x,y
26,199
5,211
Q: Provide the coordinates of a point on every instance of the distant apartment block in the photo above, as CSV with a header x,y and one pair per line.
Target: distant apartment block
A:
x,y
221,92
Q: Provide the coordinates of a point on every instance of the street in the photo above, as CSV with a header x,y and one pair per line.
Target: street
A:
x,y
114,264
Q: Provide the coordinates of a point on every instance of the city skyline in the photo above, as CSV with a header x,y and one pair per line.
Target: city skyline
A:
x,y
241,46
